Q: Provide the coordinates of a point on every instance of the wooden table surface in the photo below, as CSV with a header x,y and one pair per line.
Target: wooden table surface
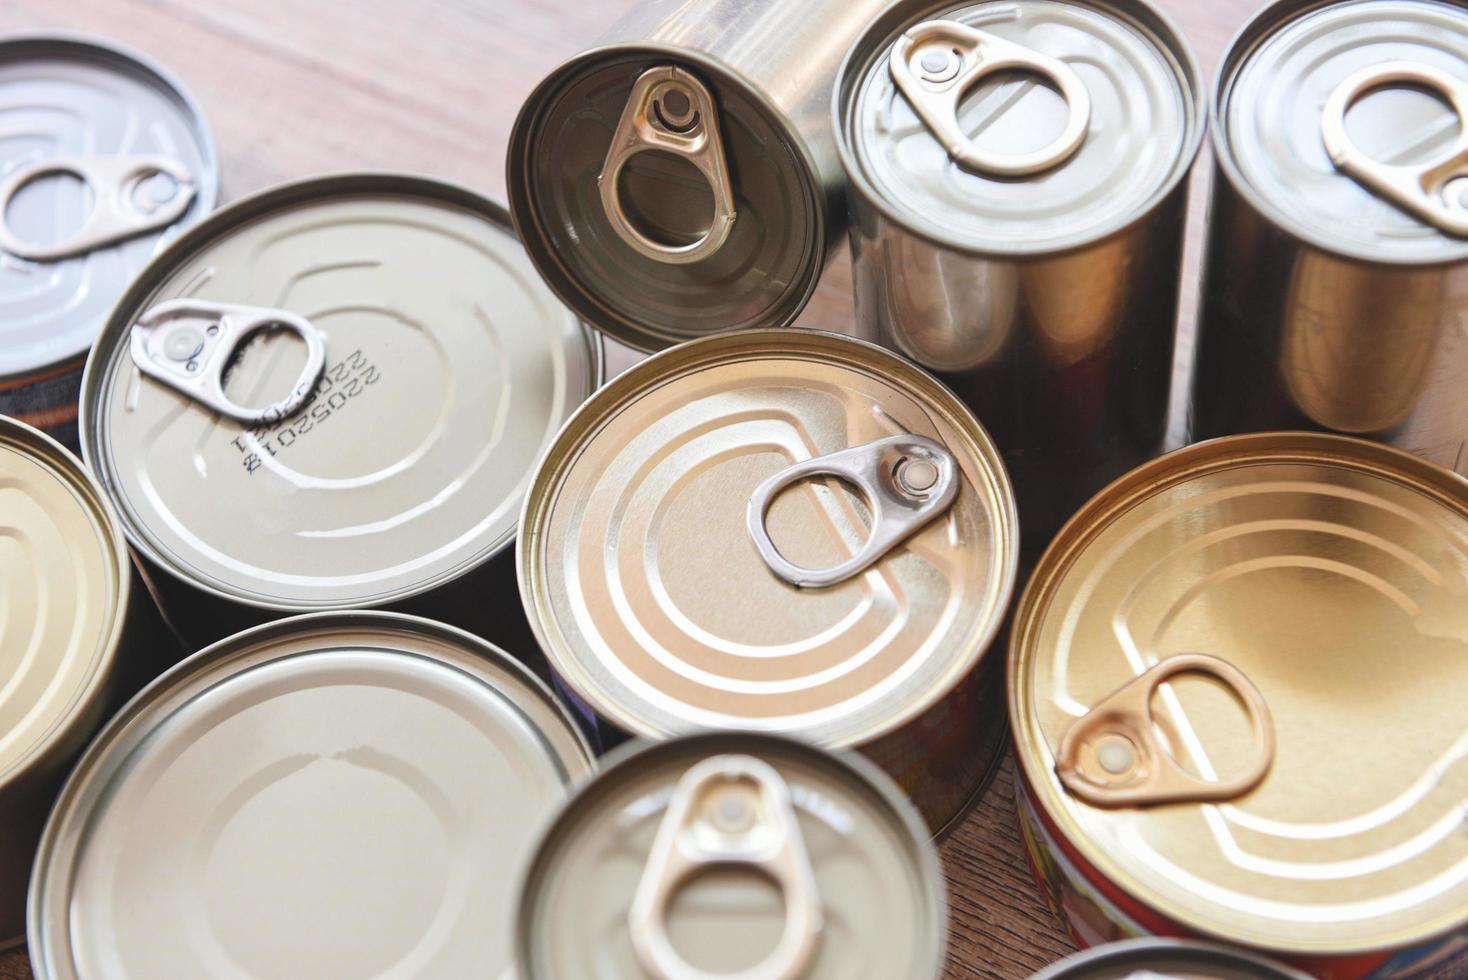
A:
x,y
433,86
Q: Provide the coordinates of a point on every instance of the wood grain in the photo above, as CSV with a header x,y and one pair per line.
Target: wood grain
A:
x,y
296,89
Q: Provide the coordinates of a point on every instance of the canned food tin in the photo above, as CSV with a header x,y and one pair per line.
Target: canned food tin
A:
x,y
104,158
692,555
1140,959
339,794
1336,284
70,640
413,369
1236,684
1018,186
680,179
733,854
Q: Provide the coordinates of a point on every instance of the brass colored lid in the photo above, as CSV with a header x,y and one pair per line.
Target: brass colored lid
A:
x,y
1332,574
646,585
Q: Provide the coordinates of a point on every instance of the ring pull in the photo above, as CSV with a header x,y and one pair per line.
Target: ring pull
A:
x,y
934,63
1111,756
1436,191
729,810
186,344
906,480
131,195
669,110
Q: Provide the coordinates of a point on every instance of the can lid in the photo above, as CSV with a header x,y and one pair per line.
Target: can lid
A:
x,y
63,589
1274,103
1019,127
1330,574
82,112
725,854
333,795
1138,959
442,367
649,557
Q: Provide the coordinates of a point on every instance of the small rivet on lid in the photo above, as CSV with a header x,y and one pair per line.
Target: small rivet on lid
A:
x,y
183,344
1455,192
918,475
158,190
732,814
1115,755
934,61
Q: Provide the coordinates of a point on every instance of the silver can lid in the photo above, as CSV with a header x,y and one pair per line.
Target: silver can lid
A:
x,y
1100,120
1283,86
105,117
445,367
1155,959
333,795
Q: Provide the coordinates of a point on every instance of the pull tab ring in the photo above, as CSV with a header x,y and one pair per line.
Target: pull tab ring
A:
x,y
906,480
669,110
186,344
728,810
130,195
934,63
1422,190
1111,755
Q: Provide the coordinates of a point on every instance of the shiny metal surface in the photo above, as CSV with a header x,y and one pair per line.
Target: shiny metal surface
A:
x,y
873,875
388,771
1047,302
1171,959
653,604
1332,573
769,66
1332,306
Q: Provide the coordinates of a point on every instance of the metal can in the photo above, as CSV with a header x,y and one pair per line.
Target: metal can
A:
x,y
1236,683
1018,179
1139,959
1336,286
414,366
104,158
338,794
733,854
74,638
680,179
788,531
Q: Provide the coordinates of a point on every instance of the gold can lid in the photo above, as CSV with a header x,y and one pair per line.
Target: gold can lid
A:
x,y
659,554
1313,587
63,587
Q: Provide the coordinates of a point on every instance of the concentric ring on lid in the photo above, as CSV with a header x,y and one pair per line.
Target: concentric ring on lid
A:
x,y
645,585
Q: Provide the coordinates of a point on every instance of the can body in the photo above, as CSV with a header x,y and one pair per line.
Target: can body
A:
x,y
1326,304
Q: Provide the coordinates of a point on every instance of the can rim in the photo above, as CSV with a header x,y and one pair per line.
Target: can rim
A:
x,y
624,759
92,44
113,338
1152,477
649,373
1236,53
1116,954
58,848
524,132
1174,44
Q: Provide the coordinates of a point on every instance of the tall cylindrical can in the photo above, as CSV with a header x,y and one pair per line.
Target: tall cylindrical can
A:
x,y
1018,185
680,179
105,158
1336,287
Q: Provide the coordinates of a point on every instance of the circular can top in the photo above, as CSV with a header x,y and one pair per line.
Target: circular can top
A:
x,y
721,851
1123,60
761,275
86,105
64,584
1323,576
1138,959
667,525
1275,93
447,368
342,794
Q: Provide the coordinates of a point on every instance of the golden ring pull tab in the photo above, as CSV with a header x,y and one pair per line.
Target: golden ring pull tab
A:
x,y
131,195
669,110
907,481
187,343
728,810
1111,756
934,63
1435,191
